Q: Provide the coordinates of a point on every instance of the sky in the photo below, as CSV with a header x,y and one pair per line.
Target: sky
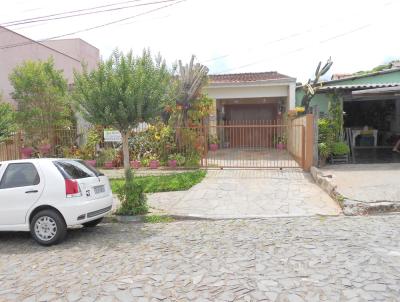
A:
x,y
230,36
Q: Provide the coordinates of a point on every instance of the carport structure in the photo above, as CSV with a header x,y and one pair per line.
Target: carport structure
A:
x,y
371,112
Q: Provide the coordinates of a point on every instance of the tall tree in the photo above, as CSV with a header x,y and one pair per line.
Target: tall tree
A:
x,y
41,93
311,88
192,78
7,121
123,91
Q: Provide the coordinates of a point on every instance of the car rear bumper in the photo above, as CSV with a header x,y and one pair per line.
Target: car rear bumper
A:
x,y
80,213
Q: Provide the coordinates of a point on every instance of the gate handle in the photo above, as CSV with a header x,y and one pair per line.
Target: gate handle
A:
x,y
31,191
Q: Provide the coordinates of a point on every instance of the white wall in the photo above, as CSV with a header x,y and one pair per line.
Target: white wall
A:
x,y
247,92
287,90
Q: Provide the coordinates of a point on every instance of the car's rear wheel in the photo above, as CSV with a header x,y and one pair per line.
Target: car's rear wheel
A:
x,y
48,227
93,223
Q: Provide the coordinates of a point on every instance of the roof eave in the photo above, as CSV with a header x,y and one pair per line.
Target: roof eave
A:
x,y
272,82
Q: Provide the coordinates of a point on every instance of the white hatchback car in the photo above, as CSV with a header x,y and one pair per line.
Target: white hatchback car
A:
x,y
46,195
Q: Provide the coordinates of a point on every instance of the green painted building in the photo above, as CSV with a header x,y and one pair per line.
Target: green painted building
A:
x,y
375,80
371,113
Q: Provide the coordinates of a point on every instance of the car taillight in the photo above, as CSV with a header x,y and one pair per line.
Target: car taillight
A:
x,y
72,188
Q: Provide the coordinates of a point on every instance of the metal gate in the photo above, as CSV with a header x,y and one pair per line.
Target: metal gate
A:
x,y
254,144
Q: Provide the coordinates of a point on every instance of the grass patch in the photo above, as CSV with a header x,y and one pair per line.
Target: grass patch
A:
x,y
158,219
164,183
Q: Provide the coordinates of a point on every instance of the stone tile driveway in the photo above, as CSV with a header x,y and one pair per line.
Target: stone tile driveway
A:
x,y
248,194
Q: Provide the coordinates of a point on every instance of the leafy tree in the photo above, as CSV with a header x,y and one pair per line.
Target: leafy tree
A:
x,y
191,79
7,121
123,91
41,93
311,88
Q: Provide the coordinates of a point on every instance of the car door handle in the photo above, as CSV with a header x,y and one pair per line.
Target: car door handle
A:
x,y
31,191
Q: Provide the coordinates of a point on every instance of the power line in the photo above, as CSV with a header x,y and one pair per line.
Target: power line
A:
x,y
90,13
291,36
94,27
298,49
69,12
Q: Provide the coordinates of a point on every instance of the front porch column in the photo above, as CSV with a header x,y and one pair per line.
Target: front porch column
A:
x,y
291,96
213,119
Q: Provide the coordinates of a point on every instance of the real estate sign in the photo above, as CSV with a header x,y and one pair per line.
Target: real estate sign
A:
x,y
112,136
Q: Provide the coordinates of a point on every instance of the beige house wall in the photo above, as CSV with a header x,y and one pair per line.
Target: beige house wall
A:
x,y
78,49
67,55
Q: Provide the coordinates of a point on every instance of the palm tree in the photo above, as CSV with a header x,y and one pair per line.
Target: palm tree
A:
x,y
191,79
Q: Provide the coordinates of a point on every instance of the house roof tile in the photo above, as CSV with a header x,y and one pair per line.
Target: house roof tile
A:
x,y
247,77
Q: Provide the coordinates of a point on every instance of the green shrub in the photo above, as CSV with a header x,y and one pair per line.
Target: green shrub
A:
x,y
326,130
324,150
180,159
193,160
340,148
7,121
132,197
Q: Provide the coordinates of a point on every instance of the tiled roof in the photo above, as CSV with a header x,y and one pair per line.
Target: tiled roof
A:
x,y
247,77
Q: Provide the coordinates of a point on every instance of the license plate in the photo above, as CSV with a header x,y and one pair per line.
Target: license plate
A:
x,y
99,189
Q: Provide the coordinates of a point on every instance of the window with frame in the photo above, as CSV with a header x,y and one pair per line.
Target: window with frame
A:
x,y
19,175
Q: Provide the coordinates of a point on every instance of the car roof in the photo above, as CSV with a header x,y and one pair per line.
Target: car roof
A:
x,y
32,160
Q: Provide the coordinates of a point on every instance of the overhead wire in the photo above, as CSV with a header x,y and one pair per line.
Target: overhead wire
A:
x,y
89,13
93,27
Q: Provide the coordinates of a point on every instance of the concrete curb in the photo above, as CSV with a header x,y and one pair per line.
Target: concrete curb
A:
x,y
352,207
142,218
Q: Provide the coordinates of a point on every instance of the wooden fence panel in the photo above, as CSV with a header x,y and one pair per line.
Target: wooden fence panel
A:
x,y
10,150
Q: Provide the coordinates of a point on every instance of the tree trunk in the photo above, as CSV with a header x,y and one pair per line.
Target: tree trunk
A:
x,y
125,151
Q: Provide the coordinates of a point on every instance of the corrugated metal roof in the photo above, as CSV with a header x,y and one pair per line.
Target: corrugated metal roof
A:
x,y
387,90
358,86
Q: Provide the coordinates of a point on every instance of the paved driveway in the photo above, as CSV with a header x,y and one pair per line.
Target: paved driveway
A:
x,y
249,194
286,259
367,183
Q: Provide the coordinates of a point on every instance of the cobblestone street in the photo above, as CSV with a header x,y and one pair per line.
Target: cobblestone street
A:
x,y
275,259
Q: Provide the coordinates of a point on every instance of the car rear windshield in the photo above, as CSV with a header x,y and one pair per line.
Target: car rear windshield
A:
x,y
76,169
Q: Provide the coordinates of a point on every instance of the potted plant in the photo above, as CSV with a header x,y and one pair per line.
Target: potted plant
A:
x,y
213,143
324,152
135,164
180,159
172,162
88,157
91,162
340,153
89,150
44,146
280,143
154,163
26,152
108,157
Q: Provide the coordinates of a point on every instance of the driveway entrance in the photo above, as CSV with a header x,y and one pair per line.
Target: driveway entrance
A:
x,y
251,158
248,194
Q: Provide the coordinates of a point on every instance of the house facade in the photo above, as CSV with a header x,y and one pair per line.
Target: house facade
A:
x,y
245,97
68,55
371,112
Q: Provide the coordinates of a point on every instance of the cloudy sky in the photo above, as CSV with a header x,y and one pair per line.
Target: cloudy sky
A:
x,y
229,35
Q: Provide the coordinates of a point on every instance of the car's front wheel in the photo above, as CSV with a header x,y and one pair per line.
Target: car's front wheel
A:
x,y
92,223
48,227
